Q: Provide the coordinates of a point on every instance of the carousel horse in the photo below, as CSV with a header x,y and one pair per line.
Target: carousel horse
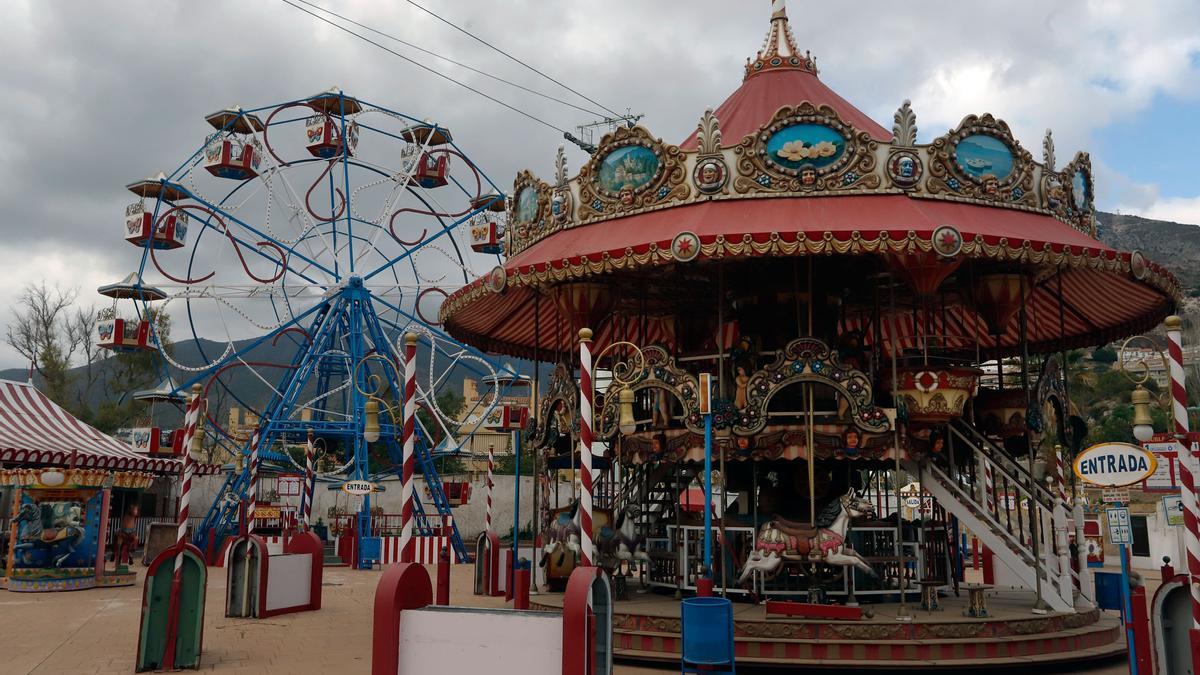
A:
x,y
622,543
780,540
562,536
64,531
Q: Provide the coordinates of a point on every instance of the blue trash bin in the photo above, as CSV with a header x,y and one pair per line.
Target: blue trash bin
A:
x,y
707,627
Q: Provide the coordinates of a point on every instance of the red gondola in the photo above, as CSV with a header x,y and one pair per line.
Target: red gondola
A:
x,y
458,493
233,158
156,441
170,233
233,152
323,136
126,335
485,235
427,169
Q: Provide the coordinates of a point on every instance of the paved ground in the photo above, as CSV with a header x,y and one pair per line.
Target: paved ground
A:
x,y
95,631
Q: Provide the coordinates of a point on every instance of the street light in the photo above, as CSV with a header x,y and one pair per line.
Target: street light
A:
x,y
1143,424
371,423
627,423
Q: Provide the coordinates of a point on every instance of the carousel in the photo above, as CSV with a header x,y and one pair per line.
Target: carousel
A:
x,y
884,323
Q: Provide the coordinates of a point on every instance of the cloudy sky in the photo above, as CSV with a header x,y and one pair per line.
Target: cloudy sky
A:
x,y
102,93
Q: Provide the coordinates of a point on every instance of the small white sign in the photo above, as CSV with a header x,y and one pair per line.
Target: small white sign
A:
x,y
913,502
1118,526
1173,506
1115,496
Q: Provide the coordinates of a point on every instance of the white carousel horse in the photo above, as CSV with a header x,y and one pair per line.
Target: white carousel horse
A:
x,y
65,531
780,540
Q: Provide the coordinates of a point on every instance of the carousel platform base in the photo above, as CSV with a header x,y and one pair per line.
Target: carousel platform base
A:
x,y
646,629
53,584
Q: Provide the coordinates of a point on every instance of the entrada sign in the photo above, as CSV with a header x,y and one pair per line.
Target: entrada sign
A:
x,y
1115,464
359,488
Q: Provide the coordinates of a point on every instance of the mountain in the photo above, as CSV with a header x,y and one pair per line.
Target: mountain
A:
x,y
1173,245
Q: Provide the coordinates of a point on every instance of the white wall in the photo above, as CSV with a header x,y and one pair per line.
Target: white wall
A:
x,y
470,518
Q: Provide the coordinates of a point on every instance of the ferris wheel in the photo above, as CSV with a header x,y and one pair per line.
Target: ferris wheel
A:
x,y
297,245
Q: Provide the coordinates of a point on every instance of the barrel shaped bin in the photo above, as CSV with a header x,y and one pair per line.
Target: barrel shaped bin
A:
x,y
707,635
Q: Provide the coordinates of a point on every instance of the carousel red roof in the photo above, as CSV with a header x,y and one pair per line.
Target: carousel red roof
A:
x,y
36,431
750,183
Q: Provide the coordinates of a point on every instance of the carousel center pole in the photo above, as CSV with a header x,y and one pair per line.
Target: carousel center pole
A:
x,y
1035,513
585,446
1187,477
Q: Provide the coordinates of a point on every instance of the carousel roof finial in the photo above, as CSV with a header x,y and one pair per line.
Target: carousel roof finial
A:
x,y
779,50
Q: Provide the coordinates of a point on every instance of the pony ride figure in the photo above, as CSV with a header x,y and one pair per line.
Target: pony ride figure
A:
x,y
621,545
562,537
781,540
53,526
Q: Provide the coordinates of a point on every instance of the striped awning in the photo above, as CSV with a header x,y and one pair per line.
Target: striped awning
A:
x,y
35,431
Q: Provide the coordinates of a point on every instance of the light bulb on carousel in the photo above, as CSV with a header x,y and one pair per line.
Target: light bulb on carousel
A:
x,y
1143,424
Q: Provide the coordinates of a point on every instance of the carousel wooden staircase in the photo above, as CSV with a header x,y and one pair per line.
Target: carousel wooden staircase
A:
x,y
1027,549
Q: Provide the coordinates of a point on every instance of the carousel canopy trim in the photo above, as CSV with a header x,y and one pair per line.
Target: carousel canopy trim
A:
x,y
35,430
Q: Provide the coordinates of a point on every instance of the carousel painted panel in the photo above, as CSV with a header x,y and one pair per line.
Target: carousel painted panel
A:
x,y
56,535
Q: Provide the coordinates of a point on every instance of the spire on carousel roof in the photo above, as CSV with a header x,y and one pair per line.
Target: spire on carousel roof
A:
x,y
779,50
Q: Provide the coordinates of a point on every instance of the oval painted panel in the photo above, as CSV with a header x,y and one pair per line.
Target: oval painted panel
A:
x,y
1079,190
981,155
627,168
527,205
1115,464
805,145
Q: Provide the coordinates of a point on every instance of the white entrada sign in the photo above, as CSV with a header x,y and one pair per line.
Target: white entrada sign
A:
x,y
358,488
1115,464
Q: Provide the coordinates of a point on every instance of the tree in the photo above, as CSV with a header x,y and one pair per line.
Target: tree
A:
x,y
1104,355
43,333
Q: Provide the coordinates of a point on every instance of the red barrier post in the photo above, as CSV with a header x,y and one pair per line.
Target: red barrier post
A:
x,y
704,587
974,554
508,566
1167,570
1141,630
989,574
443,578
521,588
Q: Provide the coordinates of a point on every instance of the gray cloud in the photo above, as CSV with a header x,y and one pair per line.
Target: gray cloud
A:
x,y
100,94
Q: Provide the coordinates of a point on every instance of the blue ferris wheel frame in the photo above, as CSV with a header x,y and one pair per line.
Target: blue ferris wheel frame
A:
x,y
346,325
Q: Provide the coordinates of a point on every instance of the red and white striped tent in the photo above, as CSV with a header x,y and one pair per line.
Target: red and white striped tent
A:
x,y
35,431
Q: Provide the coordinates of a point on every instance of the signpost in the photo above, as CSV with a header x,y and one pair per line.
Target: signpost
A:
x,y
1120,533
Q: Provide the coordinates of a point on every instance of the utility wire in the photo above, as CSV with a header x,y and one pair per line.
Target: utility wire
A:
x,y
427,68
450,60
513,58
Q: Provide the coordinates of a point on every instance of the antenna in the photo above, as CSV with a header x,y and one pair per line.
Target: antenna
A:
x,y
587,132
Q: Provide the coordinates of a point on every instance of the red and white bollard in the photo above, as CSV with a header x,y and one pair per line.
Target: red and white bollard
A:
x,y
1187,478
252,491
190,423
407,543
585,446
490,484
310,479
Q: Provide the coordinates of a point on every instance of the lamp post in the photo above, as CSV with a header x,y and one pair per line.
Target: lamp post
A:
x,y
1143,430
587,391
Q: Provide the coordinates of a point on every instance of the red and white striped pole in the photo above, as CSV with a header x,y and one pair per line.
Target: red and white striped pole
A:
x,y
310,479
1187,477
491,461
407,543
191,421
252,491
1062,507
585,446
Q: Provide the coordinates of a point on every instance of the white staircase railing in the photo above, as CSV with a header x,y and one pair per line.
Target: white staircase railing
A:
x,y
1022,522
